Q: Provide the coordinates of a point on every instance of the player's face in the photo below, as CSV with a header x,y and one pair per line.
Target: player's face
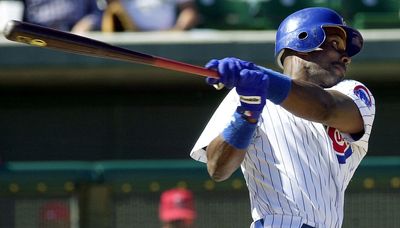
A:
x,y
328,65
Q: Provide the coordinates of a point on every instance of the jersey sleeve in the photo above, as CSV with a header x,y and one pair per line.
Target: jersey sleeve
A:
x,y
365,102
220,119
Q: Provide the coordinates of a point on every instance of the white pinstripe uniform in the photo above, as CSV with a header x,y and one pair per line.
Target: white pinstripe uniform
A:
x,y
296,170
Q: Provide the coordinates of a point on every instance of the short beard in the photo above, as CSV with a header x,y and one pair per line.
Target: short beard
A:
x,y
322,77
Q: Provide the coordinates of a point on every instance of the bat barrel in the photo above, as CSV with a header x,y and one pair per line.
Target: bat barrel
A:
x,y
40,36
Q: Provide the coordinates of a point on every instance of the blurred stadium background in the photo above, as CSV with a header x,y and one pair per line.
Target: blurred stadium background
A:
x,y
88,142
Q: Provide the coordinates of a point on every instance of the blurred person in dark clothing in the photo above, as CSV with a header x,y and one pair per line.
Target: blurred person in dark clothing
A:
x,y
68,15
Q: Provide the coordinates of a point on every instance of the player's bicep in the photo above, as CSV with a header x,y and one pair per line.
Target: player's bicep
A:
x,y
345,114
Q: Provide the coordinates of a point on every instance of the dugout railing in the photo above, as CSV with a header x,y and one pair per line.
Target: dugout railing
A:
x,y
126,193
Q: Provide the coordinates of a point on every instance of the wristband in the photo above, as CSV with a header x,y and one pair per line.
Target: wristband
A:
x,y
247,113
239,132
279,86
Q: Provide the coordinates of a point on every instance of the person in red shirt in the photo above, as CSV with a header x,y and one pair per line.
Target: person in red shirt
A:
x,y
177,209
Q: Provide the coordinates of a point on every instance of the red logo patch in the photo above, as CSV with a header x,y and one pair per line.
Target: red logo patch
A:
x,y
340,146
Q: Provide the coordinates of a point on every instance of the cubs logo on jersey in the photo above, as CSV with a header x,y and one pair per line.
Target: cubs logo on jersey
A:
x,y
341,147
364,94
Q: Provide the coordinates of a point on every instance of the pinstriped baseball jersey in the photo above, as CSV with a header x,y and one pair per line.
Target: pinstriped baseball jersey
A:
x,y
296,170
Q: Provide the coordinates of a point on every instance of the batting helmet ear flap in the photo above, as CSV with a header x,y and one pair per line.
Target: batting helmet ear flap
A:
x,y
303,39
300,40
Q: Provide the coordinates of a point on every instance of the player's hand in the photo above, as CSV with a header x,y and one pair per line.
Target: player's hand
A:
x,y
252,87
228,69
251,83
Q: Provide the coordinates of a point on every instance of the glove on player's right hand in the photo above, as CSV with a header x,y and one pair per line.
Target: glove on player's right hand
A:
x,y
228,69
250,82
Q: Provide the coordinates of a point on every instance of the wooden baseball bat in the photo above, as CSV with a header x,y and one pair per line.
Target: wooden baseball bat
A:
x,y
63,41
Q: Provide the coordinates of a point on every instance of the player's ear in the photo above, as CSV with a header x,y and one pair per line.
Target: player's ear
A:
x,y
288,55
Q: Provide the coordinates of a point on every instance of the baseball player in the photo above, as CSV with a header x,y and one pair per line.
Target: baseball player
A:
x,y
298,136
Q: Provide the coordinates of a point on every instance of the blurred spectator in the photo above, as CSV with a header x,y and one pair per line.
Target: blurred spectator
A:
x,y
177,208
69,15
149,15
54,214
10,10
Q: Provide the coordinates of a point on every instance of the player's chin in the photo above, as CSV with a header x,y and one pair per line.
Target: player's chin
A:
x,y
331,79
339,70
337,74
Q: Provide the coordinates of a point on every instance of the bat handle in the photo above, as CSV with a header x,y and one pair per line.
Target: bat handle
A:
x,y
184,67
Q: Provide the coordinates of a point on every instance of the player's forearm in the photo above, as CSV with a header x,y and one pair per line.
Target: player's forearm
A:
x,y
309,101
331,108
223,159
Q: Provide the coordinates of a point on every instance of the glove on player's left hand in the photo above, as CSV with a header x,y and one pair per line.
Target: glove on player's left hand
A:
x,y
252,88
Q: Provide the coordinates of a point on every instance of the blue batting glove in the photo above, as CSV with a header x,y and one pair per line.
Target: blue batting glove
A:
x,y
252,88
253,83
212,64
228,69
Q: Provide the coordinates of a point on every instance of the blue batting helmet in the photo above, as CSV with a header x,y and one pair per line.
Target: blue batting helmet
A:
x,y
303,31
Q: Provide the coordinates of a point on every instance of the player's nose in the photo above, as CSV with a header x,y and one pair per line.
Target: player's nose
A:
x,y
345,59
